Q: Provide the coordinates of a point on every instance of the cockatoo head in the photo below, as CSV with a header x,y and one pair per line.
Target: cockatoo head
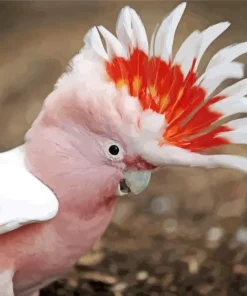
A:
x,y
127,108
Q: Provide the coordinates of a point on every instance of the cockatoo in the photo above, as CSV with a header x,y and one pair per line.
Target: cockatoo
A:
x,y
122,110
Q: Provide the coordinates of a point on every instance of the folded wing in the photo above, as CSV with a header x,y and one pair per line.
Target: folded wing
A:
x,y
23,198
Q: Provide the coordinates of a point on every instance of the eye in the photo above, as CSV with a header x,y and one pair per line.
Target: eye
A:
x,y
114,150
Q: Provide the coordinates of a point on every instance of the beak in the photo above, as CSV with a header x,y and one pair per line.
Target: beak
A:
x,y
133,182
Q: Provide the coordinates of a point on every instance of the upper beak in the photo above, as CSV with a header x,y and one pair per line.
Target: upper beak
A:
x,y
133,182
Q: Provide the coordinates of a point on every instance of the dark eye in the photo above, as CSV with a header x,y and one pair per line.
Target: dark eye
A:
x,y
114,150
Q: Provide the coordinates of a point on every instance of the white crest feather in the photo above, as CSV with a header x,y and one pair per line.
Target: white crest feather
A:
x,y
230,106
237,89
212,78
92,39
165,34
188,51
152,42
172,155
228,54
114,47
235,137
238,124
208,36
139,32
124,30
238,134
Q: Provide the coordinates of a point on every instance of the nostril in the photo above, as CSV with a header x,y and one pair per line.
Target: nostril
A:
x,y
123,187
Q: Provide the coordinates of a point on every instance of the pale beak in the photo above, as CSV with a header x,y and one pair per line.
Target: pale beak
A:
x,y
133,182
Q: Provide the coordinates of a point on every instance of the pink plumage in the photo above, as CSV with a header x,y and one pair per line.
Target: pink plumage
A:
x,y
111,120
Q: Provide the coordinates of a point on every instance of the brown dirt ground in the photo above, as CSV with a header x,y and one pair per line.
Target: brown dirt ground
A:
x,y
186,234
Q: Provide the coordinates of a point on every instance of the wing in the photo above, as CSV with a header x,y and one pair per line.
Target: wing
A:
x,y
23,198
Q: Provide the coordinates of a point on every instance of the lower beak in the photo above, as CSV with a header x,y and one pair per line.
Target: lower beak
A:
x,y
133,182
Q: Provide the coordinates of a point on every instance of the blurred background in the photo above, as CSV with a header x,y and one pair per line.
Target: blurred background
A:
x,y
186,234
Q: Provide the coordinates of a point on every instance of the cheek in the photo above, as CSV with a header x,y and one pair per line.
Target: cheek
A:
x,y
109,179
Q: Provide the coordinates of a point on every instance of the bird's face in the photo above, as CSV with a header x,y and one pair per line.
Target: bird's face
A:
x,y
113,157
88,142
135,171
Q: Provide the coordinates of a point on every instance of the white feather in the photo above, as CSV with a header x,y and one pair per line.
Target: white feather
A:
x,y
237,124
237,89
212,78
188,51
152,42
139,32
131,31
196,44
208,36
172,155
152,125
238,135
230,161
235,137
92,39
23,198
228,54
230,106
165,35
124,30
114,47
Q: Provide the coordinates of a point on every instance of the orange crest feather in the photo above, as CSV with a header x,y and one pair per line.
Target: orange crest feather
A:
x,y
162,87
